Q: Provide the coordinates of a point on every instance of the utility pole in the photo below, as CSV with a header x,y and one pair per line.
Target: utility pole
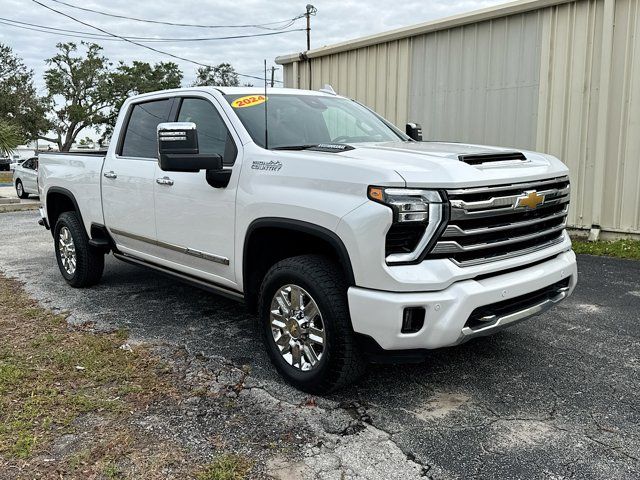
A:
x,y
311,10
273,71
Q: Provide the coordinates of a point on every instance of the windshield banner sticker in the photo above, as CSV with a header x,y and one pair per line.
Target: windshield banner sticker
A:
x,y
248,101
272,166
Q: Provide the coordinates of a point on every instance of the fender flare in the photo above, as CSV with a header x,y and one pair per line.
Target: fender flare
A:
x,y
70,196
304,227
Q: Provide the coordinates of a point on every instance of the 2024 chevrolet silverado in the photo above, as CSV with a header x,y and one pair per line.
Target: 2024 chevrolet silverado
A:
x,y
351,239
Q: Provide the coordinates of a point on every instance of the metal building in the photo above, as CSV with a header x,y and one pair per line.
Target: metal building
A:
x,y
562,77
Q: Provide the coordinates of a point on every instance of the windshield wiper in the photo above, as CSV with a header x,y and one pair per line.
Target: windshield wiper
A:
x,y
295,147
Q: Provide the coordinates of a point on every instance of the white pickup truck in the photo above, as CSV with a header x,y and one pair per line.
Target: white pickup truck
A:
x,y
353,240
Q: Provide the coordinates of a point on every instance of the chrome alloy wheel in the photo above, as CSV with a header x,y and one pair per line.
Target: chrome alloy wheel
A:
x,y
297,327
20,189
67,250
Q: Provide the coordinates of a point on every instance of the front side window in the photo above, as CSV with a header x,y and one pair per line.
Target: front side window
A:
x,y
141,137
213,136
295,120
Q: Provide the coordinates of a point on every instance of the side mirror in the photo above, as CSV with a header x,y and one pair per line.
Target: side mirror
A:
x,y
178,149
414,130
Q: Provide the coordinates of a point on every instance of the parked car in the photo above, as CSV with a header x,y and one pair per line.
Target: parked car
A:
x,y
25,178
16,163
5,162
352,240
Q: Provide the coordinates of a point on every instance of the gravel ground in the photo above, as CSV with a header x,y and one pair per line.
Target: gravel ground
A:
x,y
555,397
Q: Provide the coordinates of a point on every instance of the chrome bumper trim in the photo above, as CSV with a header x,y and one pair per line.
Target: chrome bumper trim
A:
x,y
498,323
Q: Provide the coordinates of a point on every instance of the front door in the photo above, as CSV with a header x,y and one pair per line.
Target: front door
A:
x,y
195,221
128,179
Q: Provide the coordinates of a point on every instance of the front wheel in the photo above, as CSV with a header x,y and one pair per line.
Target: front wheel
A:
x,y
20,190
306,325
81,265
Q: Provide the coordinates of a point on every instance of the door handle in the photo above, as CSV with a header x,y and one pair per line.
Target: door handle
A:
x,y
110,174
164,181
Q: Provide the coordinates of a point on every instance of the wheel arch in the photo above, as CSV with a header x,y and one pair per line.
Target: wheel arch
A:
x,y
60,200
283,238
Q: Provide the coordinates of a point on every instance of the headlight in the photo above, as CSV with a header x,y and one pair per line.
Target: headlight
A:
x,y
417,216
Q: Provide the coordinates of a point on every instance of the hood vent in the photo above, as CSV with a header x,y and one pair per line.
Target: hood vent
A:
x,y
479,159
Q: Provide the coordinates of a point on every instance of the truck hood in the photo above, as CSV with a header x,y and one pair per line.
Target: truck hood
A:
x,y
437,164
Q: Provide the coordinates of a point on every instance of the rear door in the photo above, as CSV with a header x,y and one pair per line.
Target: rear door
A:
x,y
195,219
128,178
29,175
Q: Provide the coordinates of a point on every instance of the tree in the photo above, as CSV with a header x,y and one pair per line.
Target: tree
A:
x,y
19,103
10,137
77,92
223,75
86,142
135,79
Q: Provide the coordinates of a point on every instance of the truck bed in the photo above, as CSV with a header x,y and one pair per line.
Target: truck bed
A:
x,y
80,174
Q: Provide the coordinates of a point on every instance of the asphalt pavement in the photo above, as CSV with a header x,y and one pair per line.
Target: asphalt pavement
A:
x,y
553,397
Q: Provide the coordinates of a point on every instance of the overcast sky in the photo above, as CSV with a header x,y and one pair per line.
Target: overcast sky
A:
x,y
335,21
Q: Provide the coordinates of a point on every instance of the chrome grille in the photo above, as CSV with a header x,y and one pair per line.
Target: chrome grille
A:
x,y
489,223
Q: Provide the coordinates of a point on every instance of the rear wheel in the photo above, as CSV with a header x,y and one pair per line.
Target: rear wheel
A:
x,y
306,325
20,190
81,265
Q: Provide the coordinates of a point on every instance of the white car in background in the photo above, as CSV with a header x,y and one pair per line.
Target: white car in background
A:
x,y
25,178
16,163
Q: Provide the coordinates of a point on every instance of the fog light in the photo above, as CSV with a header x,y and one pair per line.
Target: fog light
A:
x,y
413,319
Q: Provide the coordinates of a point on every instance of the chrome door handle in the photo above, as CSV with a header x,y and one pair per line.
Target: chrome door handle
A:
x,y
164,181
110,174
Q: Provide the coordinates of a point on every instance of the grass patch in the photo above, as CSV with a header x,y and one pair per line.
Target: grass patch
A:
x,y
225,467
50,375
618,248
76,396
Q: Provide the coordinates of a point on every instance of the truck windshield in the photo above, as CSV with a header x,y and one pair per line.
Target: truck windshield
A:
x,y
307,120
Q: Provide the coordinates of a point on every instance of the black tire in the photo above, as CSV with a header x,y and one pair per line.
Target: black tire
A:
x,y
20,190
89,261
341,363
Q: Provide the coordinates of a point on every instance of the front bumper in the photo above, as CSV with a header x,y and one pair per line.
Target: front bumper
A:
x,y
378,314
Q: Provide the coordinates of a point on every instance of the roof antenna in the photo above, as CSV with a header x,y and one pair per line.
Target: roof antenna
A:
x,y
266,125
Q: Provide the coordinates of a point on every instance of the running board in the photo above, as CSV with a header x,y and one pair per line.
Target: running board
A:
x,y
191,280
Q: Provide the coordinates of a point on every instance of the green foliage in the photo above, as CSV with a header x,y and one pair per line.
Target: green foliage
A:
x,y
619,248
77,91
10,137
85,91
223,75
135,79
19,103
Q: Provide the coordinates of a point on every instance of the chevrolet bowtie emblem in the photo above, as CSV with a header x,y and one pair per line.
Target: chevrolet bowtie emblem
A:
x,y
530,200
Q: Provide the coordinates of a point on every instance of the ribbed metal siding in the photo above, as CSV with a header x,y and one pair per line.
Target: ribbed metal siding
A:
x,y
589,108
478,83
562,79
376,76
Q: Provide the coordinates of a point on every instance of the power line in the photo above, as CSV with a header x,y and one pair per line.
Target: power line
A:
x,y
153,49
195,25
97,36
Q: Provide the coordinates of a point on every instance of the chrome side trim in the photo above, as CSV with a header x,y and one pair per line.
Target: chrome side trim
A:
x,y
501,322
170,246
198,282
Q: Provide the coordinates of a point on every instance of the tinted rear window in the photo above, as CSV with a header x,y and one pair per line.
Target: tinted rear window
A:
x,y
141,139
